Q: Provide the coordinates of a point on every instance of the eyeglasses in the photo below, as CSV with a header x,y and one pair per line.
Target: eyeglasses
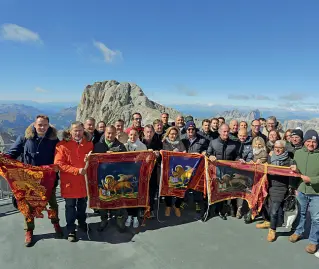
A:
x,y
190,129
137,118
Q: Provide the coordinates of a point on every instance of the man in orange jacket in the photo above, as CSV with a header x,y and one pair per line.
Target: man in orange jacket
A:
x,y
69,156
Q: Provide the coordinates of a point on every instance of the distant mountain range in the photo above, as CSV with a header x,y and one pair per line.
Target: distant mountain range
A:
x,y
15,118
111,100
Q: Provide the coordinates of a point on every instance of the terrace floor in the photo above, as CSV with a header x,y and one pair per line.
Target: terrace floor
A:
x,y
174,243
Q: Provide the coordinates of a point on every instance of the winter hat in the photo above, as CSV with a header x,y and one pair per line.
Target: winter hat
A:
x,y
189,118
190,124
297,132
311,134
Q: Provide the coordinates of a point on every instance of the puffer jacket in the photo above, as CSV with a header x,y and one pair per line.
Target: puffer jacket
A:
x,y
246,150
223,150
198,145
35,150
69,156
278,185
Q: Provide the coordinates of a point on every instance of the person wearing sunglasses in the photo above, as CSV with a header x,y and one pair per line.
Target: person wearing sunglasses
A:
x,y
136,124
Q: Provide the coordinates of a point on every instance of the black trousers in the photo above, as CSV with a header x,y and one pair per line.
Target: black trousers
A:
x,y
169,201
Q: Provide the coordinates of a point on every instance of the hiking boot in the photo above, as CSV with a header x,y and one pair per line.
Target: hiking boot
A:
x,y
102,225
177,212
168,211
128,221
239,215
135,222
58,231
311,248
263,225
294,238
28,238
72,237
271,237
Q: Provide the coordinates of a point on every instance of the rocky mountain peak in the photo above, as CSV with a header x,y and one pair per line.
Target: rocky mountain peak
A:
x,y
112,100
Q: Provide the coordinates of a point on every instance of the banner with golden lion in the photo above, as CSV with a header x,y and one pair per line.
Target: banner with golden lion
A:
x,y
119,180
229,180
181,172
31,185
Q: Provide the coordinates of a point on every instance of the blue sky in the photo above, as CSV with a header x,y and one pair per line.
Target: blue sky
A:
x,y
179,52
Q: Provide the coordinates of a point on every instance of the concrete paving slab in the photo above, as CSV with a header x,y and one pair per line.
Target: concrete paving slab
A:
x,y
175,243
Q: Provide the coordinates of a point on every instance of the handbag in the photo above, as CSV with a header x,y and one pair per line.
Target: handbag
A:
x,y
290,203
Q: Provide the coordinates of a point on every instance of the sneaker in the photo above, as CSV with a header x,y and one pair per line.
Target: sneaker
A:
x,y
58,231
128,221
294,238
135,222
271,237
247,218
72,237
222,216
28,238
311,248
102,225
263,225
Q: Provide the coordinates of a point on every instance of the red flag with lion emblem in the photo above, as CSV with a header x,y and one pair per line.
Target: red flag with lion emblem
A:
x,y
31,185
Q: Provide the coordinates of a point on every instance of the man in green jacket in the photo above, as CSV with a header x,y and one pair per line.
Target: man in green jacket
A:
x,y
307,164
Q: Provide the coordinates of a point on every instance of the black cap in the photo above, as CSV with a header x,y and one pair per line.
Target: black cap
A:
x,y
297,132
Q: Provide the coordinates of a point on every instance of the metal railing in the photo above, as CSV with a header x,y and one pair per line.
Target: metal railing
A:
x,y
5,190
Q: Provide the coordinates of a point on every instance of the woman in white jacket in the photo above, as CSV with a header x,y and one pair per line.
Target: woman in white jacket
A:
x,y
133,144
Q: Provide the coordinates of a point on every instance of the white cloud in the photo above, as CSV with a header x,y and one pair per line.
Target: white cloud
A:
x,y
108,54
40,90
17,33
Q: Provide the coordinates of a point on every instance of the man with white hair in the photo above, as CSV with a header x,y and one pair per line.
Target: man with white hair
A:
x,y
233,133
307,160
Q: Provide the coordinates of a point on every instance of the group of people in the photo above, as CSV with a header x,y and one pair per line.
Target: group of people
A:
x,y
259,141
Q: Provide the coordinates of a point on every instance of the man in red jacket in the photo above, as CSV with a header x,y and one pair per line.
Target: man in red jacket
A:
x,y
69,156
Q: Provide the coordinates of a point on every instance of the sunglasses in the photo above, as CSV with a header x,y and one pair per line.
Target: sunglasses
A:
x,y
190,129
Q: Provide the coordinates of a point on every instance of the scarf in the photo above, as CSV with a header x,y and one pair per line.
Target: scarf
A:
x,y
172,142
279,159
258,151
108,143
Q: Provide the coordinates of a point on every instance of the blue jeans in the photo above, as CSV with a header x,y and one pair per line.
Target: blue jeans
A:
x,y
311,203
75,210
